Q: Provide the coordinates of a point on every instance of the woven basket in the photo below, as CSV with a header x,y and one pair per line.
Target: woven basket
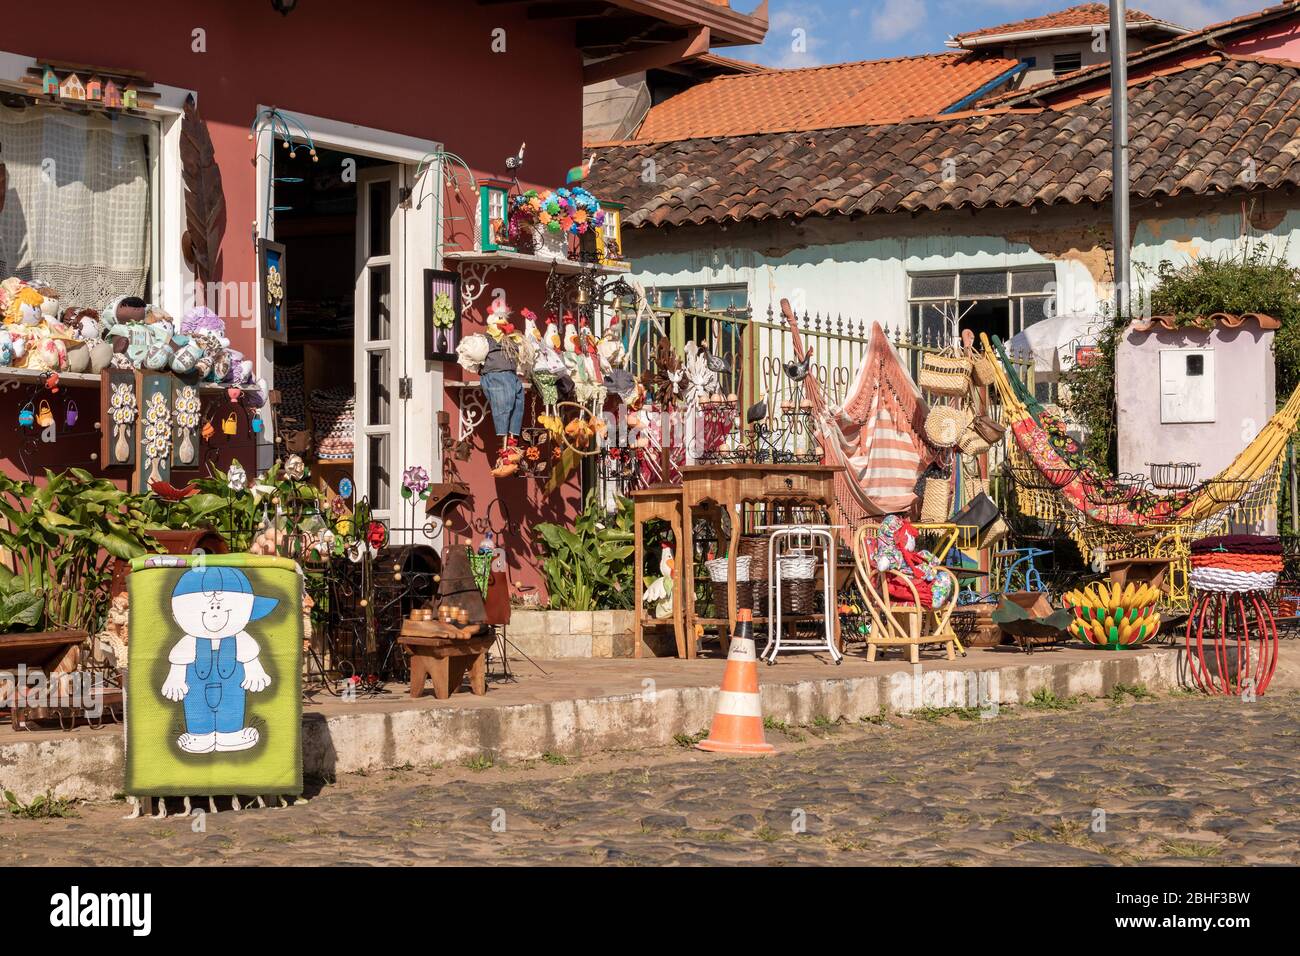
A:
x,y
972,442
798,596
981,368
744,596
754,547
936,500
944,425
717,569
973,486
942,374
995,532
798,568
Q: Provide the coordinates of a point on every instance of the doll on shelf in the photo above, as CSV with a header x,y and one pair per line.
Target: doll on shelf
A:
x,y
500,381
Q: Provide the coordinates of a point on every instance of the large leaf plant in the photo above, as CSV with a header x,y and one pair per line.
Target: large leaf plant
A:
x,y
589,566
63,536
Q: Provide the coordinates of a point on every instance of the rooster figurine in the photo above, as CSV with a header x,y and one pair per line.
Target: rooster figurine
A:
x,y
659,595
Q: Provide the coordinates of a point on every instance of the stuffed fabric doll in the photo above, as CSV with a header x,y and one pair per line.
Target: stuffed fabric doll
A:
x,y
894,549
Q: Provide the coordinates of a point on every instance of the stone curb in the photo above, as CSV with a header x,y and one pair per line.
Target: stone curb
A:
x,y
89,766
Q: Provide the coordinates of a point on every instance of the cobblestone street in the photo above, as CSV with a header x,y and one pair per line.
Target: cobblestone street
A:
x,y
1179,780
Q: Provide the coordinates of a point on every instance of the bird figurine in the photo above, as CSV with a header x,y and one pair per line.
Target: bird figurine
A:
x,y
757,412
531,331
516,161
716,363
798,371
659,594
570,334
552,335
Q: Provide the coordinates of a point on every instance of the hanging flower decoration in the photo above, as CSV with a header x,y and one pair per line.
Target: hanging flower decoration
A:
x,y
237,478
567,209
376,535
415,483
294,468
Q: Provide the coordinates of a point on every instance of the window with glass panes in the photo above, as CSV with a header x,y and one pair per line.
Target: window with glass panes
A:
x,y
997,301
709,298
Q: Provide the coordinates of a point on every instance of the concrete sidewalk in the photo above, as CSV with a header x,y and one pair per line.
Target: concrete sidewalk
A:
x,y
585,706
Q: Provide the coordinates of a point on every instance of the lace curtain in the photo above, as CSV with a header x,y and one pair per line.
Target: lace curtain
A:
x,y
77,211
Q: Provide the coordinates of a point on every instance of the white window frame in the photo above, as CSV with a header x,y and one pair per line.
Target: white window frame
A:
x,y
171,277
957,299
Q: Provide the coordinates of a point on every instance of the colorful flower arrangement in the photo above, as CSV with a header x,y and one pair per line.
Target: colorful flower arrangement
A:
x,y
567,209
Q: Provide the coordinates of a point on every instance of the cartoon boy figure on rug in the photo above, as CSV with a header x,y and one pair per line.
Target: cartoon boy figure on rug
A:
x,y
217,659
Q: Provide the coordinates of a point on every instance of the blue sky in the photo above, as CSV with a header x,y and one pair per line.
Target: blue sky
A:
x,y
840,30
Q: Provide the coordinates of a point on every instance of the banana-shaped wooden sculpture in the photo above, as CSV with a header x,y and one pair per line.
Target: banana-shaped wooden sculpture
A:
x,y
1110,616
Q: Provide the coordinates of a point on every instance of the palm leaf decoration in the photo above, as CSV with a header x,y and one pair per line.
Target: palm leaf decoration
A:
x,y
205,203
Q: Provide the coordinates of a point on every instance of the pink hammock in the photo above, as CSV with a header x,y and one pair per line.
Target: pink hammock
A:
x,y
875,435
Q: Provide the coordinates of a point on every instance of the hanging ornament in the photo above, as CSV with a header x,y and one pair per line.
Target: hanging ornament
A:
x,y
70,415
27,416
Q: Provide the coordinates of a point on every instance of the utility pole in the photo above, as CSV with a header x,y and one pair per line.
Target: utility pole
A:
x,y
1119,152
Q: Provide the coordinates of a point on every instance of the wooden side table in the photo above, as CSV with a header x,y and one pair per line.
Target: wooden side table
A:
x,y
662,504
730,485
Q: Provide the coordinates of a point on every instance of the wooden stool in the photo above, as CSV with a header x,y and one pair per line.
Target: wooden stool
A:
x,y
443,653
662,504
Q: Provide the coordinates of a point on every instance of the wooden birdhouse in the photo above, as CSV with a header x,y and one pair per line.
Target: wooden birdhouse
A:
x,y
95,89
494,215
130,97
609,241
50,82
71,88
112,95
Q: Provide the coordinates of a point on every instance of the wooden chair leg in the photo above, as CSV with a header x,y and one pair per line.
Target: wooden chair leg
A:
x,y
914,653
478,675
952,654
419,670
438,673
871,652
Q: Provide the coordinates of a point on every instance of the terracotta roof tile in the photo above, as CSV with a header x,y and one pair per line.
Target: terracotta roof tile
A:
x,y
821,97
1193,132
1083,15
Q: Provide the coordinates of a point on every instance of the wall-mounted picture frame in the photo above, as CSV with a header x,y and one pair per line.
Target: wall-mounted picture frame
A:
x,y
274,290
441,315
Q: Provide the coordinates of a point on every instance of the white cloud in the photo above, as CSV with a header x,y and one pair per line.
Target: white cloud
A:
x,y
894,19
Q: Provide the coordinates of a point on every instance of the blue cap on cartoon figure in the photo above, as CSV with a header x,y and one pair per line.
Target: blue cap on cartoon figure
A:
x,y
207,579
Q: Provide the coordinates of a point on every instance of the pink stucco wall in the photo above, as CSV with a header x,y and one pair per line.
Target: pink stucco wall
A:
x,y
1244,397
1278,41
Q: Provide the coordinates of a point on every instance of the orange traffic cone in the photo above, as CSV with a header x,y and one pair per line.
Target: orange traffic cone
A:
x,y
738,720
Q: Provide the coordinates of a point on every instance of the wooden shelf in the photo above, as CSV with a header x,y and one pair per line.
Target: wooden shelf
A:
x,y
533,263
80,379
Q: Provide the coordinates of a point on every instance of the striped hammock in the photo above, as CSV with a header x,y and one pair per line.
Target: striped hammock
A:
x,y
876,435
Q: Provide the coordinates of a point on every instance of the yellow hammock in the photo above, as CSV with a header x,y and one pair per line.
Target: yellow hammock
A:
x,y
1247,487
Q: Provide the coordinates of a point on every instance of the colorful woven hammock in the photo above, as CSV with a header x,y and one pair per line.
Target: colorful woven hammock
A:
x,y
1074,487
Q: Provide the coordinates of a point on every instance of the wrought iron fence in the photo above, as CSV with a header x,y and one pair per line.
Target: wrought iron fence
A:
x,y
757,350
